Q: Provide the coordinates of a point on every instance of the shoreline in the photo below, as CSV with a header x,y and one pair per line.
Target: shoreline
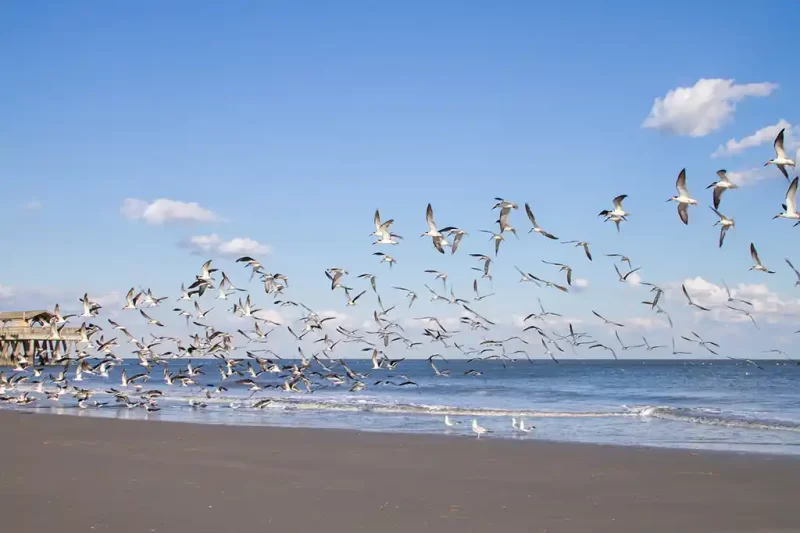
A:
x,y
464,433
92,473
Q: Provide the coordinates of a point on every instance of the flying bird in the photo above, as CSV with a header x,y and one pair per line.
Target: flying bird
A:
x,y
780,160
439,241
724,224
536,227
683,199
581,243
757,262
790,207
796,273
721,186
691,303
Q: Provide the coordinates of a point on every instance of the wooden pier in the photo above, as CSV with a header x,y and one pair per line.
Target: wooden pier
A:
x,y
28,335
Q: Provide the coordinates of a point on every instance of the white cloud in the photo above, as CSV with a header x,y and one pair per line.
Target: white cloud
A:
x,y
634,279
213,244
162,211
766,134
271,314
33,205
768,305
698,110
646,323
751,176
580,285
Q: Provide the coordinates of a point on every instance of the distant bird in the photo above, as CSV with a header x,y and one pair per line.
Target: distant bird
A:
x,y
581,243
745,312
450,423
790,207
721,186
683,199
757,262
439,275
691,303
496,237
796,273
624,278
780,160
536,227
386,258
382,230
562,268
607,321
622,259
731,299
457,235
724,224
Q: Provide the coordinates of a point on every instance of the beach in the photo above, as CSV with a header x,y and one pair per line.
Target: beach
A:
x,y
91,474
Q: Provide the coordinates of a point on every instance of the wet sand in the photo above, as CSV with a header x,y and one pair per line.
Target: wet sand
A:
x,y
79,474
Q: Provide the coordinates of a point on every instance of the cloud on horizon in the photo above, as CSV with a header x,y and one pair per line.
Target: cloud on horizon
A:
x,y
163,211
213,244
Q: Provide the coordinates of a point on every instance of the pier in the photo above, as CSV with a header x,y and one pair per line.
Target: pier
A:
x,y
28,336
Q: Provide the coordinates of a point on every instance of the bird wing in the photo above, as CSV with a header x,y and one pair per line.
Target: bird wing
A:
x,y
618,201
586,249
722,231
680,184
683,213
530,215
723,176
791,197
792,267
377,220
429,218
779,145
754,254
718,196
686,293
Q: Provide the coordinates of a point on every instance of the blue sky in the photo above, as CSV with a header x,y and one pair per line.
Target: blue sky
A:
x,y
291,123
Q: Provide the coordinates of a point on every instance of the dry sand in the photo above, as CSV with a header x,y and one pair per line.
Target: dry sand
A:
x,y
78,474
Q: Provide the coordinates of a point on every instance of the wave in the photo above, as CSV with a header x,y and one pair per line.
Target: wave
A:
x,y
714,417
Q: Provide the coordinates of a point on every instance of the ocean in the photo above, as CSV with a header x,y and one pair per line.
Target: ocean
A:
x,y
717,405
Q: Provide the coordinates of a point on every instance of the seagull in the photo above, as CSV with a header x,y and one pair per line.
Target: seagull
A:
x,y
683,199
411,295
525,277
479,430
607,321
478,296
724,224
150,320
691,303
790,207
622,259
617,214
519,425
562,268
436,236
581,243
745,312
651,348
796,273
386,258
536,227
780,161
607,348
352,301
721,186
130,300
439,275
675,352
497,238
758,266
624,278
450,423
624,348
732,299
457,235
382,230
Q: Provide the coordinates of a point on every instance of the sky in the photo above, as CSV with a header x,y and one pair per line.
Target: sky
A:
x,y
138,141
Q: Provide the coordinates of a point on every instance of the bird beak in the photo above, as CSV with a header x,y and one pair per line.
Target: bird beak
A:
x,y
710,185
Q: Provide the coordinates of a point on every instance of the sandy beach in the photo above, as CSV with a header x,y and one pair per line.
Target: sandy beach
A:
x,y
89,474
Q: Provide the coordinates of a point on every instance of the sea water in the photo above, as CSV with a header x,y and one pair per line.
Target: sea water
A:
x,y
728,405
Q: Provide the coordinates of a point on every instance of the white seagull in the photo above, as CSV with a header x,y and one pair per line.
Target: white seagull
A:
x,y
683,199
724,224
757,262
796,273
721,186
439,241
479,430
790,207
780,161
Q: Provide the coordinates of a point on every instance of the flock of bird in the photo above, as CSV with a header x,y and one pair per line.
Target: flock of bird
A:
x,y
315,363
